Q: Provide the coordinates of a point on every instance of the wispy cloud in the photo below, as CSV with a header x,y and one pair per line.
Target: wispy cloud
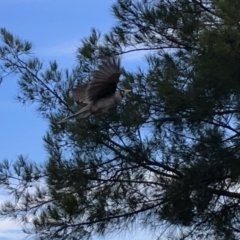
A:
x,y
62,49
134,56
9,228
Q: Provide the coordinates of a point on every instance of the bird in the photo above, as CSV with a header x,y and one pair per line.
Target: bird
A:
x,y
100,93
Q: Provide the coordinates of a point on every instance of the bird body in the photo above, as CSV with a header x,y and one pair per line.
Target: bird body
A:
x,y
100,93
104,104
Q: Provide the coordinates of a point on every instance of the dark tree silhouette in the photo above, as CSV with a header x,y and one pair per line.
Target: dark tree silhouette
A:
x,y
168,157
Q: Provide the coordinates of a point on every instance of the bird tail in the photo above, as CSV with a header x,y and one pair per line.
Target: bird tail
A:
x,y
83,113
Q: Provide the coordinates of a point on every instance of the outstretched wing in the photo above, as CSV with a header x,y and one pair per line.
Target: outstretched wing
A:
x,y
104,80
79,93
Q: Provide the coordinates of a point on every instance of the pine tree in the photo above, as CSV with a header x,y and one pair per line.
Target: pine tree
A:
x,y
168,157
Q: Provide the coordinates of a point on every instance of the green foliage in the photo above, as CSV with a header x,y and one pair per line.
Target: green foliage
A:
x,y
167,156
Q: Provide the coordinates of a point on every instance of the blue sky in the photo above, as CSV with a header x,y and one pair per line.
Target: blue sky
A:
x,y
55,29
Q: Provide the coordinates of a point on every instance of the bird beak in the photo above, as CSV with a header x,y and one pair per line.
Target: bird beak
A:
x,y
127,91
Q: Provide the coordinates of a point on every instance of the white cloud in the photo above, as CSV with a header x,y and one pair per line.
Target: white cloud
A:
x,y
62,49
134,56
134,234
10,229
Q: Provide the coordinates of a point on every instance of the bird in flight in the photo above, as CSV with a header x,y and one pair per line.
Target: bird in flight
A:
x,y
100,93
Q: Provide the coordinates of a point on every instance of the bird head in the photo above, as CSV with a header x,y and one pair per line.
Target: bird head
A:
x,y
125,92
